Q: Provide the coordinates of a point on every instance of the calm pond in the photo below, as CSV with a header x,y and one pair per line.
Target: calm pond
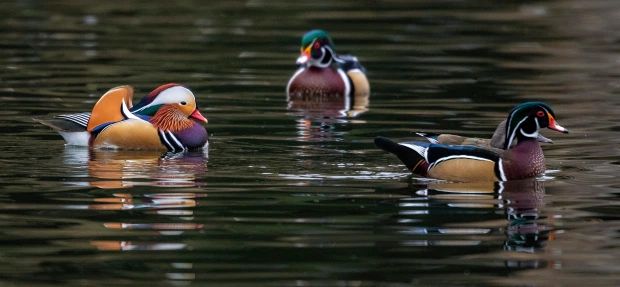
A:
x,y
285,198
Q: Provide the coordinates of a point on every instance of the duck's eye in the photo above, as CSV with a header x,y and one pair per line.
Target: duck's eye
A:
x,y
317,45
183,103
540,114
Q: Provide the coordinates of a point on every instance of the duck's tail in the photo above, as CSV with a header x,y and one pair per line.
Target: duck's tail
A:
x,y
411,154
71,127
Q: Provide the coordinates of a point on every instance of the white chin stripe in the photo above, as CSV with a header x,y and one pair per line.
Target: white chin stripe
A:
x,y
535,133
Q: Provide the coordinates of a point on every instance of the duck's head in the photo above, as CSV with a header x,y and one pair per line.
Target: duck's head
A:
x,y
317,49
171,107
526,119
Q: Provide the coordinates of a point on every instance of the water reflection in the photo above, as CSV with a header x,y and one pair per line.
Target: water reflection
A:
x,y
318,117
122,169
521,202
329,106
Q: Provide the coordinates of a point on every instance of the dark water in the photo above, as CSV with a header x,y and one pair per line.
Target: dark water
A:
x,y
288,199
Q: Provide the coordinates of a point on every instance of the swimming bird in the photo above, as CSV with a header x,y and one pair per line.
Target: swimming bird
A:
x,y
166,119
520,156
325,79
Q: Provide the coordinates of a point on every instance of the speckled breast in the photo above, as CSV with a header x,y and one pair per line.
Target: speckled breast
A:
x,y
318,89
525,160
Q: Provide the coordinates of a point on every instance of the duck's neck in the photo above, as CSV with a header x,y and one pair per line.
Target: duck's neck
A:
x,y
169,118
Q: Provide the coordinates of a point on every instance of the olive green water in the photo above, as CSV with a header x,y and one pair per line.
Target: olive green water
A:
x,y
288,199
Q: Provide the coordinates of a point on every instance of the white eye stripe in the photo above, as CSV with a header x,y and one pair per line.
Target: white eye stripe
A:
x,y
174,95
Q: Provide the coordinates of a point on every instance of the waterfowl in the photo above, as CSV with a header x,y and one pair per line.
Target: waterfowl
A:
x,y
520,156
166,119
325,79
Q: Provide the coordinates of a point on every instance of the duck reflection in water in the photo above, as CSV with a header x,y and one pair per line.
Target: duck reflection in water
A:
x,y
121,169
115,169
521,201
318,122
165,215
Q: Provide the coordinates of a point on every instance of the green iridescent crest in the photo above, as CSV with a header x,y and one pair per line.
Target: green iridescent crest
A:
x,y
320,35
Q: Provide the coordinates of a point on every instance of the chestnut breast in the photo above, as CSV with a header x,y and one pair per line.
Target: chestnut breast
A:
x,y
524,160
318,88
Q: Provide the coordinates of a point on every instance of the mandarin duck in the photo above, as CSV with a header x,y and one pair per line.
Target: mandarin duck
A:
x,y
166,119
520,156
324,79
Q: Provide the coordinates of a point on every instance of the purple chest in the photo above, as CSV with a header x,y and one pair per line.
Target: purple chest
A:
x,y
194,137
524,160
318,89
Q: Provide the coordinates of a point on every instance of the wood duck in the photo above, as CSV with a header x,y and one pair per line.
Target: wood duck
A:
x,y
326,80
166,119
520,156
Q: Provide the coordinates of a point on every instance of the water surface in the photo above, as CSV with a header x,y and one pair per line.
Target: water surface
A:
x,y
286,198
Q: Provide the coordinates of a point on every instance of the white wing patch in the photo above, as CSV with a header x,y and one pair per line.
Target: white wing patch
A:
x,y
419,149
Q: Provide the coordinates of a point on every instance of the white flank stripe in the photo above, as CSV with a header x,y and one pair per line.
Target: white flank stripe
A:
x,y
288,86
500,165
347,89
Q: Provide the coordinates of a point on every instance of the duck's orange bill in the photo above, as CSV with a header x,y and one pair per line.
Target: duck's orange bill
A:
x,y
197,115
305,55
555,126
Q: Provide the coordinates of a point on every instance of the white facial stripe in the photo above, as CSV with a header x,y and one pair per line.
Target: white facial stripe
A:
x,y
514,133
319,62
535,133
172,95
